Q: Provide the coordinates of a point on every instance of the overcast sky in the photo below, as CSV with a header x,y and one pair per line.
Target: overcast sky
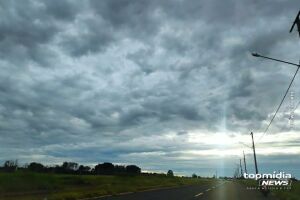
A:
x,y
161,84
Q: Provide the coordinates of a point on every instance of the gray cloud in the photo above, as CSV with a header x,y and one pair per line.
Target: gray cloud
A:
x,y
113,72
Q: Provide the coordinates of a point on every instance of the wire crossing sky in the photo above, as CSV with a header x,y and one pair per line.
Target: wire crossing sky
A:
x,y
161,84
286,92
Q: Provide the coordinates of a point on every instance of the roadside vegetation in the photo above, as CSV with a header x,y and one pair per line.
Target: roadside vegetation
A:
x,y
36,182
284,194
293,194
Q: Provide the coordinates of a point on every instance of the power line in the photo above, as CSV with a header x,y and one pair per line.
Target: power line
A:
x,y
246,145
296,22
286,92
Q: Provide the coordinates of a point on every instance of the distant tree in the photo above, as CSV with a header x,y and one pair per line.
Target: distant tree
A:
x,y
83,169
25,165
36,167
170,173
120,169
73,166
194,176
133,169
58,169
105,168
10,165
69,166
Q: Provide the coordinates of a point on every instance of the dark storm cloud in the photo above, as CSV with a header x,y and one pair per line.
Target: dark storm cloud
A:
x,y
62,10
136,16
27,28
111,22
242,89
96,36
117,71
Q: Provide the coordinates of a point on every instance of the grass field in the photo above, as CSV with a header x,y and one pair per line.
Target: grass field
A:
x,y
293,194
32,186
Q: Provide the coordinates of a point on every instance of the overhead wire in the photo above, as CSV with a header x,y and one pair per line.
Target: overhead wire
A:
x,y
282,100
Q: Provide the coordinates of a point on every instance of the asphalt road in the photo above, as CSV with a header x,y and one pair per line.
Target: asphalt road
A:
x,y
229,190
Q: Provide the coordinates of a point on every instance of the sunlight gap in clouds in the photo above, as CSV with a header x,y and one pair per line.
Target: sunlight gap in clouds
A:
x,y
99,82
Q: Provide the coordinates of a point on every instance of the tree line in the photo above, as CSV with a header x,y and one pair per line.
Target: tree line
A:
x,y
105,168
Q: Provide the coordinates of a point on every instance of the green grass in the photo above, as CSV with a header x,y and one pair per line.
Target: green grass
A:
x,y
27,185
249,182
293,194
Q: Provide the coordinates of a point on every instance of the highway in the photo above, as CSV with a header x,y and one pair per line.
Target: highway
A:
x,y
228,190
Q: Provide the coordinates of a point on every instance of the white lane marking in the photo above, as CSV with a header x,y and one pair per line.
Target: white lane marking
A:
x,y
198,194
100,197
213,187
124,193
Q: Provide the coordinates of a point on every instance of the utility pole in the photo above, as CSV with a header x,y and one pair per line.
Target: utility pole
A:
x,y
296,22
245,162
253,146
242,174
